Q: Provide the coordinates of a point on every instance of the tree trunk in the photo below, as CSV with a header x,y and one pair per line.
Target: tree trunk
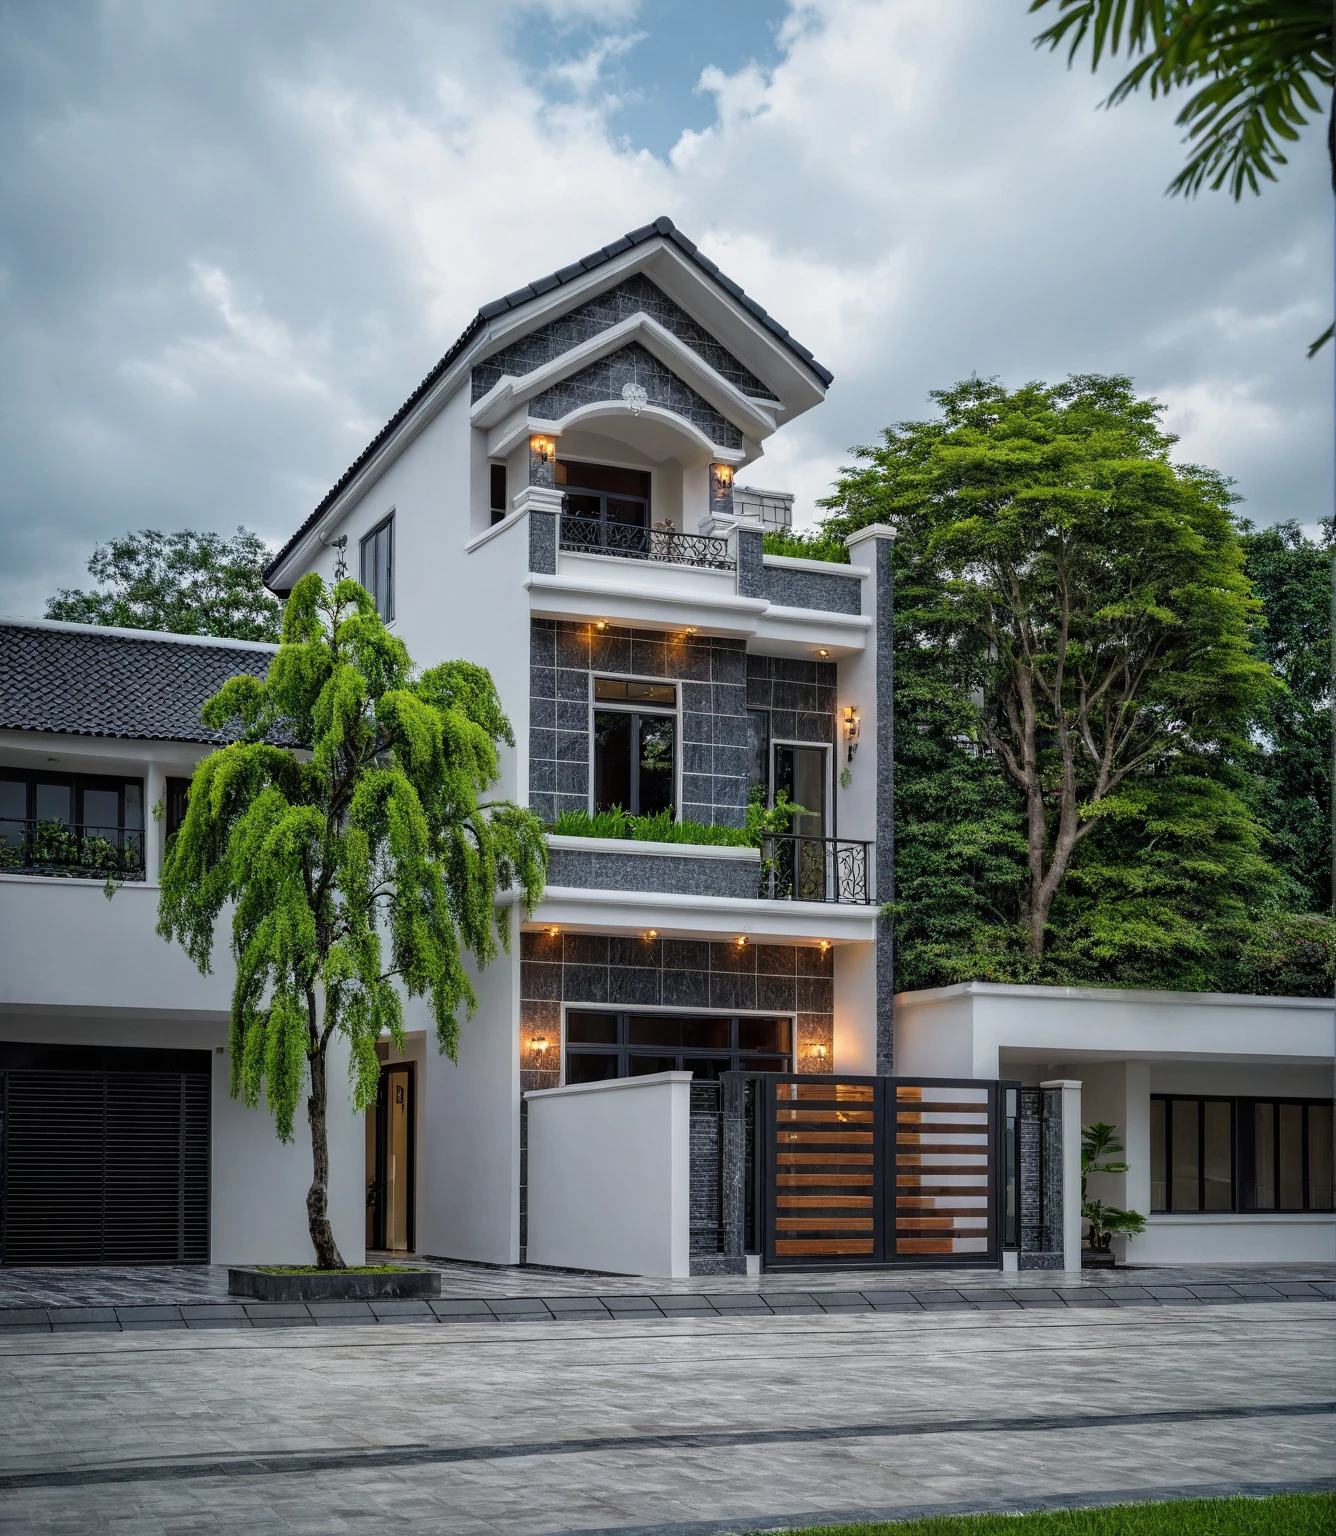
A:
x,y
317,1198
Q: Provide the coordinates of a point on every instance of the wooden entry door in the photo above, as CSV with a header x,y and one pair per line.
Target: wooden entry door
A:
x,y
875,1170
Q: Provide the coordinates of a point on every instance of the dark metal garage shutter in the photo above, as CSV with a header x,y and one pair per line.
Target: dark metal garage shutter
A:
x,y
105,1167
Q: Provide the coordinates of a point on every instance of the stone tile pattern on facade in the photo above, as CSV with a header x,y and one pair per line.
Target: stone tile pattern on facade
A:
x,y
637,973
812,589
637,295
600,871
712,675
632,364
800,696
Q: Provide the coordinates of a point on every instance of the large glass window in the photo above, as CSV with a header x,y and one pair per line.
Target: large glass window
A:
x,y
1214,1154
634,746
377,571
71,823
604,507
601,1045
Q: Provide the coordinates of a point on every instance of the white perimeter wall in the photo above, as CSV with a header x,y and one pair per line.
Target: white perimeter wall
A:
x,y
257,1195
609,1175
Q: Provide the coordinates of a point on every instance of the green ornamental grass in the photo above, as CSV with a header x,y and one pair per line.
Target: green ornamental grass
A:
x,y
1286,1514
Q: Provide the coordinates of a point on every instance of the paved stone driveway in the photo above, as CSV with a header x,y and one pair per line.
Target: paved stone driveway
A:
x,y
664,1425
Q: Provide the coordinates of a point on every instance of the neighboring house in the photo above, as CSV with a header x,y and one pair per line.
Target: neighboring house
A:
x,y
556,501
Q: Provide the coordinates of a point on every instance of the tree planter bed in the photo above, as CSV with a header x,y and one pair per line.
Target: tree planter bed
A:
x,y
333,1284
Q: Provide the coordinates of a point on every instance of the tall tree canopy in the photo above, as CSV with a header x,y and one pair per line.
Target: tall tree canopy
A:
x,y
186,583
1079,699
357,870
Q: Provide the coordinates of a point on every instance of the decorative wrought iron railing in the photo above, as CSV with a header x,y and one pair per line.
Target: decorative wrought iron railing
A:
x,y
834,869
75,851
594,536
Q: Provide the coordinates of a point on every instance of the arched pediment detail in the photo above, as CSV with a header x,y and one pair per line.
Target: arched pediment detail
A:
x,y
636,295
605,379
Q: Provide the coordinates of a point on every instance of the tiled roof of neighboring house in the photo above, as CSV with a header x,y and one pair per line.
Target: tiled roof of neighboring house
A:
x,y
661,226
86,681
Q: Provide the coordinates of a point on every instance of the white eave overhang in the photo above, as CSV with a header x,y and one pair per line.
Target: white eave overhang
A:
x,y
704,917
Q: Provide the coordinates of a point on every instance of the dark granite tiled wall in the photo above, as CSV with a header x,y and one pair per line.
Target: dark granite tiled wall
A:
x,y
611,971
605,379
712,673
800,696
635,296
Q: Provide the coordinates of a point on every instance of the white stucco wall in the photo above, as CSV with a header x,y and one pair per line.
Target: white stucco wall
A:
x,y
609,1175
468,1179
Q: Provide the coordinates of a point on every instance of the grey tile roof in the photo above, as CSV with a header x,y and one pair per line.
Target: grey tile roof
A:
x,y
85,681
661,227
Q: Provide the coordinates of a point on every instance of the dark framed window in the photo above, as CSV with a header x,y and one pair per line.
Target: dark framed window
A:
x,y
800,774
603,491
601,1045
377,567
499,502
634,746
71,823
175,804
758,751
1240,1154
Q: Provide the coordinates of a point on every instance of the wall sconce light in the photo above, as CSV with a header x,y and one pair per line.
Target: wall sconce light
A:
x,y
742,940
652,934
822,653
601,625
545,448
851,723
723,473
539,1046
553,932
691,629
824,945
818,1052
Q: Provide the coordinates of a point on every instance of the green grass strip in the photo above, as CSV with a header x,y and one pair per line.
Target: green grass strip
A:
x,y
1284,1514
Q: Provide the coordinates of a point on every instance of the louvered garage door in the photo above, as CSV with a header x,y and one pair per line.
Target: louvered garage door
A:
x,y
104,1156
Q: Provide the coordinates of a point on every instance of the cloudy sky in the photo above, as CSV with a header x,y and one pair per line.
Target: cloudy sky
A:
x,y
233,236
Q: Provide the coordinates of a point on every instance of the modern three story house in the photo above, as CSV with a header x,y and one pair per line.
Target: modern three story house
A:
x,y
562,500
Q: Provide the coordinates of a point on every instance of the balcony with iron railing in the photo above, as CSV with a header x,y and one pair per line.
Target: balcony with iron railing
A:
x,y
827,869
70,850
628,541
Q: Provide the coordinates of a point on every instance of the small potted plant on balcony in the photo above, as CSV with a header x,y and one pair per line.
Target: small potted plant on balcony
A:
x,y
1100,1144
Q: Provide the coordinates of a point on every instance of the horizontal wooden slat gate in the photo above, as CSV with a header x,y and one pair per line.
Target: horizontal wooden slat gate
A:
x,y
879,1170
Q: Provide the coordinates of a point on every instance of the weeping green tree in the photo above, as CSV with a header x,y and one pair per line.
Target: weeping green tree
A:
x,y
361,867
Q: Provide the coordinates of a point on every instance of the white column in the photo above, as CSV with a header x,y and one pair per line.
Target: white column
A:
x,y
155,789
1071,1170
1136,1141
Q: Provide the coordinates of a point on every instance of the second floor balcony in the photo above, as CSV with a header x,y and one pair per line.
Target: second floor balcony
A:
x,y
81,851
633,541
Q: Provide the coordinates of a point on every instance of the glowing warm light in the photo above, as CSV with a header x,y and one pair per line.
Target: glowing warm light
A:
x,y
819,1051
540,1044
601,624
741,940
724,474
822,652
652,934
553,932
824,945
544,448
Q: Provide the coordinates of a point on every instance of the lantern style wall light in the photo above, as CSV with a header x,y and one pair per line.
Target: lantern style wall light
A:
x,y
851,724
543,448
540,1047
724,474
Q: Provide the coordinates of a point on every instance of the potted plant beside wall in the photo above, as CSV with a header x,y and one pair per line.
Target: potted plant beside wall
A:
x,y
1100,1144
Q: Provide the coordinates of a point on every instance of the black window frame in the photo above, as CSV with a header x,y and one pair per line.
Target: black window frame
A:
x,y
384,602
497,491
78,784
623,1050
635,708
1242,1154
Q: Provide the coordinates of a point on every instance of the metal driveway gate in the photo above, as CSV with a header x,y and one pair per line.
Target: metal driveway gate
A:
x,y
879,1170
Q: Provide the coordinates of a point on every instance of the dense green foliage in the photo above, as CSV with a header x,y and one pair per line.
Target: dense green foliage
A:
x,y
1284,1514
1186,871
184,583
372,840
1292,575
762,821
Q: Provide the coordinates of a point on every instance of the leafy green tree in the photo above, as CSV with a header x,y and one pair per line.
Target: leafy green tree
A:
x,y
185,583
1090,594
1291,574
372,839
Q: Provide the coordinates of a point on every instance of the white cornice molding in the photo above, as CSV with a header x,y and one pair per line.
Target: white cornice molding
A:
x,y
818,567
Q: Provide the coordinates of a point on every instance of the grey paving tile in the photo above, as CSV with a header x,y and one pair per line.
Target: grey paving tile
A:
x,y
1214,1292
148,1314
12,1317
81,1314
1124,1292
891,1298
470,1307
579,1306
519,1304
1041,1303
86,1327
1085,1299
217,1322
737,1301
152,1325
1297,1288
213,1310
842,1301
283,1322
940,1301
259,1309
686,1303
343,1309
1169,1292
1134,1301
395,1308
997,1303
7,1328
630,1304
1260,1292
